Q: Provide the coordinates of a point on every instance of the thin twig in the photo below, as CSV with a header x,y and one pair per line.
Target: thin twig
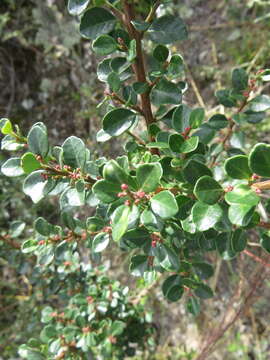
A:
x,y
137,138
152,12
231,315
256,258
195,88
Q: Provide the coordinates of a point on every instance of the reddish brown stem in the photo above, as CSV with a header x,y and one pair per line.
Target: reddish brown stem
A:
x,y
257,258
139,65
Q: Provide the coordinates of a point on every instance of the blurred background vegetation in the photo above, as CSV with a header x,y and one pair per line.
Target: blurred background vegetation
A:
x,y
48,73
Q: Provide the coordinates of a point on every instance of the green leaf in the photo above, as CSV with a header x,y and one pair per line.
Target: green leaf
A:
x,y
120,220
226,98
138,265
148,176
114,83
203,270
100,242
47,333
29,163
193,306
114,173
132,51
208,190
260,103
242,194
43,227
9,143
180,120
151,221
239,79
16,228
38,140
238,240
164,204
117,121
175,142
102,136
190,145
205,133
29,246
76,7
176,66
172,288
30,354
136,238
196,118
71,197
265,242
167,258
6,126
117,327
241,214
34,185
259,159
203,291
167,29
224,246
265,75
161,53
194,170
106,191
140,25
205,216
140,87
95,22
12,167
218,121
158,145
166,92
237,167
104,45
74,152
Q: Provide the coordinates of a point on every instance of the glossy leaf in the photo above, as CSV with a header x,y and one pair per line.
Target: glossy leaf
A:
x,y
166,92
138,265
120,219
265,242
208,190
239,79
117,121
164,204
104,45
106,191
100,242
38,140
242,194
6,126
148,176
161,53
193,170
237,167
95,22
259,159
241,214
172,288
260,103
76,7
34,185
12,167
167,29
196,118
74,152
205,216
29,163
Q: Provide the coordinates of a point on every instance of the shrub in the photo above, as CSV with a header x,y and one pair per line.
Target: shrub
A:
x,y
184,186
